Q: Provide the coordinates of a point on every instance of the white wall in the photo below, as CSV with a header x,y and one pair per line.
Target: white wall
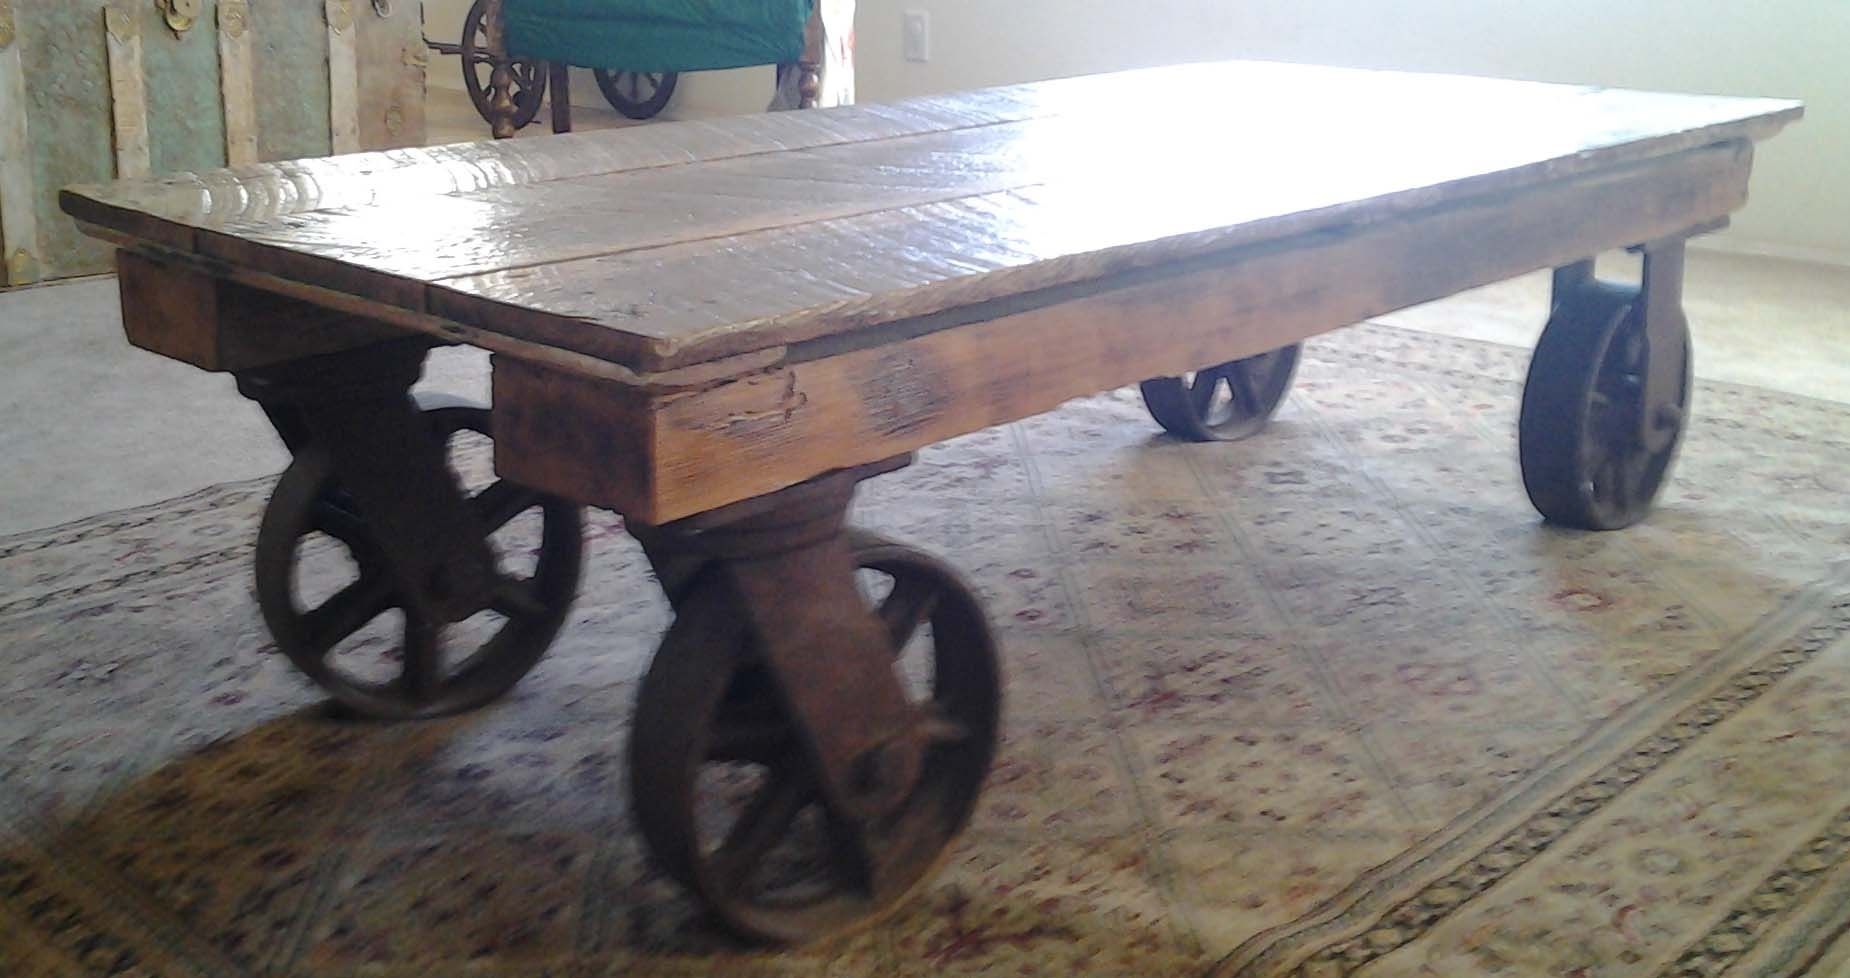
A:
x,y
1794,48
1797,48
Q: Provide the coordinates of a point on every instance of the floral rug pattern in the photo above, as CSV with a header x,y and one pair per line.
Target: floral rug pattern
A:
x,y
1327,702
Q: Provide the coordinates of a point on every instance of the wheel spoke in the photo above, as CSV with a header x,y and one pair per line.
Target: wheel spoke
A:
x,y
856,854
1244,386
516,598
346,612
764,823
1202,389
906,608
498,504
759,743
423,657
341,524
635,83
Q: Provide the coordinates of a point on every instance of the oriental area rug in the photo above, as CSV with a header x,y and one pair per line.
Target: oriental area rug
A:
x,y
1328,702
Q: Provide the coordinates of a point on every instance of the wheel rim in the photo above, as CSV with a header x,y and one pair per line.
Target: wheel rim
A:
x,y
478,65
1620,477
1584,462
1225,402
338,641
726,798
636,94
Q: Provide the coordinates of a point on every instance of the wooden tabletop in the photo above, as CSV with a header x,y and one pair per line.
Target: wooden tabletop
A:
x,y
672,244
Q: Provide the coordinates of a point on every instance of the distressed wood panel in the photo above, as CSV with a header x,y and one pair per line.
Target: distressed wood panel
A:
x,y
128,89
169,208
1095,186
65,63
217,324
393,60
690,452
343,77
237,83
186,116
20,251
292,82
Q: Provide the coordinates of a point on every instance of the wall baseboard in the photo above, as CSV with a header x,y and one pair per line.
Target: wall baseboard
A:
x,y
1729,245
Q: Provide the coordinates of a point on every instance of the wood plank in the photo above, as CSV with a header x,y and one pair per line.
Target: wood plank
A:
x,y
1106,100
658,458
168,209
658,309
64,59
1105,199
128,89
292,88
393,60
220,325
19,222
428,237
237,82
343,78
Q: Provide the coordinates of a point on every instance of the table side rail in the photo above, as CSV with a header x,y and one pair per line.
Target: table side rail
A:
x,y
664,456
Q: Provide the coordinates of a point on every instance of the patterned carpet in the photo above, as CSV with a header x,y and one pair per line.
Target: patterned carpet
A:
x,y
1326,703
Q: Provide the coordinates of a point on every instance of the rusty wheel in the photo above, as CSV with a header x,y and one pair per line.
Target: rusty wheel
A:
x,y
727,799
1226,402
334,610
637,94
1585,463
478,67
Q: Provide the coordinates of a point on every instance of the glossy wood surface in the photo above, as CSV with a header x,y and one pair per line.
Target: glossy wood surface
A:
x,y
672,244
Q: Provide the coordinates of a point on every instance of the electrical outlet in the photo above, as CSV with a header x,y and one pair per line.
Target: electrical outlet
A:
x,y
918,36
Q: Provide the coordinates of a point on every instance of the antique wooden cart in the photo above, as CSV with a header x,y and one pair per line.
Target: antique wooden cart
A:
x,y
719,329
806,41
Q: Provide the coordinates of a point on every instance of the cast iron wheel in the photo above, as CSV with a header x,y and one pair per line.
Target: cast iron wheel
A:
x,y
727,799
530,609
478,66
1223,403
637,94
1584,463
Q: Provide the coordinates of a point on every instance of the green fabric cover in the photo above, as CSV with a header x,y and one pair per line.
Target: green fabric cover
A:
x,y
657,35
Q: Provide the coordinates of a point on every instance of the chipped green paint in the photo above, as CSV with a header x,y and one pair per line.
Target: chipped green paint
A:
x,y
67,108
291,59
186,119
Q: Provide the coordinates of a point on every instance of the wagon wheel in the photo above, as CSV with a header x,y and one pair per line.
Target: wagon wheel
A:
x,y
637,94
404,673
1584,461
1226,402
727,799
478,68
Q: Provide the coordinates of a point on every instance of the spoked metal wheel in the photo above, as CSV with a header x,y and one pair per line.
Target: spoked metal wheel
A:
x,y
478,67
1223,403
727,798
1585,461
637,94
334,609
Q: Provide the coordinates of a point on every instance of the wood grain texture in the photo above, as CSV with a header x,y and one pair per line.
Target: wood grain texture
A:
x,y
392,63
220,325
128,89
839,402
343,77
186,115
292,87
64,58
19,222
237,82
888,214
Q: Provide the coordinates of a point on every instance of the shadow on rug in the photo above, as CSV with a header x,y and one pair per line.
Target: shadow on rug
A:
x,y
1327,702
